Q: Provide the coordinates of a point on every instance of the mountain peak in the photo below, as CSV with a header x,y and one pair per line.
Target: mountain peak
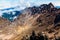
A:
x,y
51,5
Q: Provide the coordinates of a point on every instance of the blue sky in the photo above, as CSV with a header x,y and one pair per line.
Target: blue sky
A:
x,y
26,3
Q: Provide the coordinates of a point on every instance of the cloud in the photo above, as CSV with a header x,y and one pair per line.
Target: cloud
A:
x,y
25,3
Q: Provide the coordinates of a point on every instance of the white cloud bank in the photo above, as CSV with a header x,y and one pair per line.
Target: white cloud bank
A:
x,y
25,3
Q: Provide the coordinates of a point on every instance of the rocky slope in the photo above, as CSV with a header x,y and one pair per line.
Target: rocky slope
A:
x,y
45,18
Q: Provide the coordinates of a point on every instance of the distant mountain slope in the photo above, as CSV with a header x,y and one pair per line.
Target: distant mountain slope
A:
x,y
11,15
57,6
